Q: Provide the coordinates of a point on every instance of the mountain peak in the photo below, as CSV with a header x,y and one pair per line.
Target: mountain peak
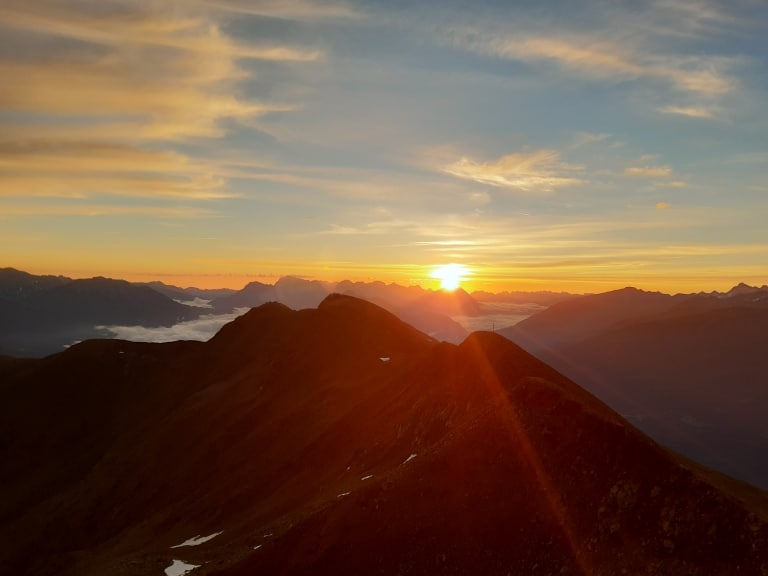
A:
x,y
741,289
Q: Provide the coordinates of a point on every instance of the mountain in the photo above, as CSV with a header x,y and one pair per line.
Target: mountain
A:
x,y
42,314
541,297
340,440
426,310
689,370
187,295
578,318
251,295
17,286
296,293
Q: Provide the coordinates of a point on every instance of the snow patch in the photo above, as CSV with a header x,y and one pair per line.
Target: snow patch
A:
x,y
257,546
385,358
411,457
197,540
343,494
179,568
367,477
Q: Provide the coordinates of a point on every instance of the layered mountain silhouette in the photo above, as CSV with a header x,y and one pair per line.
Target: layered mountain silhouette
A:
x,y
690,370
340,440
43,314
427,310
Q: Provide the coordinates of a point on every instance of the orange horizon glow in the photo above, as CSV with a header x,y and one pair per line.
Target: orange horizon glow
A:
x,y
476,278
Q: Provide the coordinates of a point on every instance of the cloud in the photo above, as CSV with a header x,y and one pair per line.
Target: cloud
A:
x,y
289,9
80,169
379,227
690,111
200,329
105,98
656,46
171,76
540,171
662,205
584,138
649,171
609,60
90,209
672,184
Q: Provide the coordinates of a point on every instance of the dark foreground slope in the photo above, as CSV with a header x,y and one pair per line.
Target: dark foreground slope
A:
x,y
342,441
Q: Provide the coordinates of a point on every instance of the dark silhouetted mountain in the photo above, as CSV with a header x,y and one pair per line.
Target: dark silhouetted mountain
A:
x,y
19,287
454,303
42,316
575,319
742,289
252,295
185,295
340,440
425,310
691,371
543,297
298,293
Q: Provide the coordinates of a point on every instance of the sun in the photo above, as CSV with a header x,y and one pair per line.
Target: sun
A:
x,y
450,276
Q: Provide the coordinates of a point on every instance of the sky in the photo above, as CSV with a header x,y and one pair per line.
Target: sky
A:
x,y
579,145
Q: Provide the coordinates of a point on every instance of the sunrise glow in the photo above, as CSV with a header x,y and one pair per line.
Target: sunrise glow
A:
x,y
450,276
589,151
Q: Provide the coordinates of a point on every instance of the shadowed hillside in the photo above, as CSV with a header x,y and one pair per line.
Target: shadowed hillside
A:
x,y
42,314
340,440
689,370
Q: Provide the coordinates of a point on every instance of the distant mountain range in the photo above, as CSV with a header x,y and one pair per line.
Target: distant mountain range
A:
x,y
41,315
340,440
690,370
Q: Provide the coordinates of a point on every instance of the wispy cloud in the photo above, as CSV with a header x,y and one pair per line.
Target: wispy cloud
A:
x,y
646,167
609,60
649,171
672,184
690,111
653,46
90,168
99,98
90,209
290,9
540,171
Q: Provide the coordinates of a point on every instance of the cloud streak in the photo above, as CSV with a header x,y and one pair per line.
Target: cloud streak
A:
x,y
104,98
290,9
659,45
689,111
540,171
608,60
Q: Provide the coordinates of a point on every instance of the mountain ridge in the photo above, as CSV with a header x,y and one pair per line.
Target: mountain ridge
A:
x,y
689,370
340,439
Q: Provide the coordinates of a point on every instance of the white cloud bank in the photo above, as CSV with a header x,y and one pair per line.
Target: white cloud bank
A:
x,y
201,329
